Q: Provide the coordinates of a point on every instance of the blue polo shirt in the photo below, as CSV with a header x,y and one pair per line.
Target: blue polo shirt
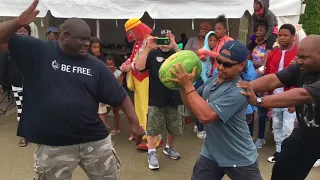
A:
x,y
228,141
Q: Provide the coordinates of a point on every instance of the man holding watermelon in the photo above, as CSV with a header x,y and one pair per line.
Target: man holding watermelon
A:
x,y
228,147
165,105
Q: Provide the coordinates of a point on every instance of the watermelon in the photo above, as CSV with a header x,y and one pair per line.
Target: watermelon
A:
x,y
189,60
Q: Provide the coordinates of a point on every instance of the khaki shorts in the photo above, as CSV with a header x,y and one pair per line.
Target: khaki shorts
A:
x,y
172,116
103,108
98,160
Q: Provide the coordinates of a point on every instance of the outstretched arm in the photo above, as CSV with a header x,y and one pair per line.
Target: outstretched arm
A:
x,y
289,98
284,78
266,83
8,28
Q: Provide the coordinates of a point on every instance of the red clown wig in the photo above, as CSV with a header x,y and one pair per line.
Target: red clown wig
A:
x,y
140,30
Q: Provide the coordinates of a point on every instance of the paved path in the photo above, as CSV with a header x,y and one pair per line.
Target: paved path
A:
x,y
17,163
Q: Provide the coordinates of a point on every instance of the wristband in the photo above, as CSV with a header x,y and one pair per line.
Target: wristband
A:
x,y
133,67
190,92
177,49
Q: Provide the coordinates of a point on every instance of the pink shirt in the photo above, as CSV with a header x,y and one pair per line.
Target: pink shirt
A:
x,y
219,45
221,42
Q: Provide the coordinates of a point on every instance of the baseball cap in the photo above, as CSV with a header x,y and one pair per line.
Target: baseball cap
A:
x,y
52,29
164,32
238,51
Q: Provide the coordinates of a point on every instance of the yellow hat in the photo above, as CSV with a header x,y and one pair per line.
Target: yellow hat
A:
x,y
131,23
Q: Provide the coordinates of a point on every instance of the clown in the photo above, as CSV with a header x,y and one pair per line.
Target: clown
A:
x,y
138,81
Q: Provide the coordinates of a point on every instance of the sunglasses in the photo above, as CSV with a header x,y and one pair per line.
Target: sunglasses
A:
x,y
225,64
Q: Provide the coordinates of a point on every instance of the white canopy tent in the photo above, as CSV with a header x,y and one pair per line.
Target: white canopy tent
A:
x,y
157,9
180,15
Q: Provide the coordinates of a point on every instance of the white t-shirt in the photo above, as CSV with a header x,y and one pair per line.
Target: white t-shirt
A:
x,y
117,73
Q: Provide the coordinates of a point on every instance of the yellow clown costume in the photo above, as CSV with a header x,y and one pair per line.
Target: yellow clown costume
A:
x,y
138,81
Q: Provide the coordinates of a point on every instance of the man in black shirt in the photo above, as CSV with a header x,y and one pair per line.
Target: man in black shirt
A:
x,y
165,105
63,86
302,148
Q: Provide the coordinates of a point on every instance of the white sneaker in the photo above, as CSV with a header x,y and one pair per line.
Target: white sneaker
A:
x,y
195,129
317,164
201,135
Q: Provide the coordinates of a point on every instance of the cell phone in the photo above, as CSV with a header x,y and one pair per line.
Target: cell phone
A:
x,y
163,42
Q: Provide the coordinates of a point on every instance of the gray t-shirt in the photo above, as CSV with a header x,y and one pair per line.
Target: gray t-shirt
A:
x,y
228,141
193,44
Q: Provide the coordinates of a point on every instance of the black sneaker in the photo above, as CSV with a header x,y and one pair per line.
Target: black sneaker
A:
x,y
273,158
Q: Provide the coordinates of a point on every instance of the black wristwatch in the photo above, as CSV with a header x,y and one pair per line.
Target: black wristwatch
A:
x,y
259,101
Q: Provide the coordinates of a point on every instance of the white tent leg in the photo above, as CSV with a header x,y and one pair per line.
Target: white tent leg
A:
x,y
98,28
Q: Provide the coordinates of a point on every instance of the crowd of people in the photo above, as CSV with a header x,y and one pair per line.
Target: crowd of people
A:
x,y
65,86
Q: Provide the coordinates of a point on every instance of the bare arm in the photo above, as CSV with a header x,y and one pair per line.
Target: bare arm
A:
x,y
127,107
184,98
199,107
287,99
120,79
7,29
140,63
212,54
259,85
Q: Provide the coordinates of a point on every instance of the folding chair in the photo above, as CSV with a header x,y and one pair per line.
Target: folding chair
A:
x,y
7,97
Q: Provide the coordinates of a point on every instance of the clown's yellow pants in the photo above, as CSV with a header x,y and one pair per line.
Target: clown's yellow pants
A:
x,y
141,97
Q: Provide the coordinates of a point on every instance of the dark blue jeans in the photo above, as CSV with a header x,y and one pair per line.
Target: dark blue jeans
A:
x,y
198,124
263,112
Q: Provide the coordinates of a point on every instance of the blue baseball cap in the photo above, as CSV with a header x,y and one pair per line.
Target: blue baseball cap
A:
x,y
52,29
238,51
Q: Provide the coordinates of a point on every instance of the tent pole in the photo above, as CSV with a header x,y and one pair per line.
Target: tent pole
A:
x,y
192,24
228,27
98,28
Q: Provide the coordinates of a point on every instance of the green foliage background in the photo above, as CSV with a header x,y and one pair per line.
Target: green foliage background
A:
x,y
311,17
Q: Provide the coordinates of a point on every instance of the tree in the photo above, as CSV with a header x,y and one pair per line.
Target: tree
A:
x,y
311,17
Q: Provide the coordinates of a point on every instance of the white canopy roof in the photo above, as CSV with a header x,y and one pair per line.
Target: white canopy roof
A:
x,y
157,9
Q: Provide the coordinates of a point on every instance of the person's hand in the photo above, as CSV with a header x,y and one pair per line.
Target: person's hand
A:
x,y
261,70
29,15
173,43
183,78
151,43
137,132
202,57
202,51
1,89
125,67
292,109
248,92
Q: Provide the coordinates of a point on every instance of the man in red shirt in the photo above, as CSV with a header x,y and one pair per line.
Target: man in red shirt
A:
x,y
282,118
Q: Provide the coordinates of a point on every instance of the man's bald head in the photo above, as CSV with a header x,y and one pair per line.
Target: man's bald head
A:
x,y
76,27
309,53
75,36
311,41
